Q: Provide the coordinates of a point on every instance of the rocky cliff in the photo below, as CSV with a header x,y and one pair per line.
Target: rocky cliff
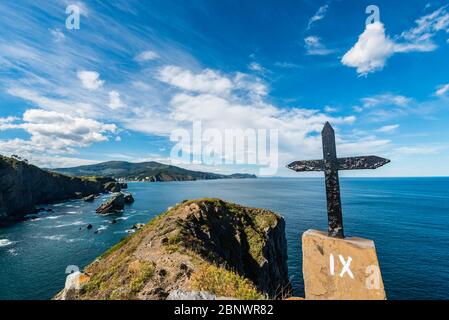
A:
x,y
204,246
23,186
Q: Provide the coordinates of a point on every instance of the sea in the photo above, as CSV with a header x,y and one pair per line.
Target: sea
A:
x,y
408,218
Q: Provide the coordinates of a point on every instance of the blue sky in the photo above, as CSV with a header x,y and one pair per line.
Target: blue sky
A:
x,y
136,71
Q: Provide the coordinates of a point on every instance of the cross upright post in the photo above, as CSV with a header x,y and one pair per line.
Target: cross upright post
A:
x,y
331,165
335,215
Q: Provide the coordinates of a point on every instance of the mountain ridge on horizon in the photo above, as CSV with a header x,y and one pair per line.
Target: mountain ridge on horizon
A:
x,y
150,171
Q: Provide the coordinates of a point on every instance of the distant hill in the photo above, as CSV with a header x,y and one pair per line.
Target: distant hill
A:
x,y
145,171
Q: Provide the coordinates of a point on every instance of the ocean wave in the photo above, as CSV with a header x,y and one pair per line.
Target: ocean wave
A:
x,y
102,228
123,218
52,217
58,237
76,223
5,242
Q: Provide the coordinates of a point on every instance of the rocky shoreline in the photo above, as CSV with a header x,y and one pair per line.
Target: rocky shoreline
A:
x,y
23,187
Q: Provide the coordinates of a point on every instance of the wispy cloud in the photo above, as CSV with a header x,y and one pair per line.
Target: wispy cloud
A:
x,y
314,47
319,15
442,90
147,56
388,129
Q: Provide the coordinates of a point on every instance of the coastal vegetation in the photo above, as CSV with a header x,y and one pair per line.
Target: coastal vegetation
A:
x,y
207,245
145,171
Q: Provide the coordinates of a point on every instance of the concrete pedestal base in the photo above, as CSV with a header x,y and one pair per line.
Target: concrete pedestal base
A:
x,y
340,269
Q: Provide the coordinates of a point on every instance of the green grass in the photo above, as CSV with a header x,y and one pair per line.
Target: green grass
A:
x,y
224,283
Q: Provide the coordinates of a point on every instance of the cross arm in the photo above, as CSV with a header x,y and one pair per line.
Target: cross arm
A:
x,y
352,163
308,165
359,163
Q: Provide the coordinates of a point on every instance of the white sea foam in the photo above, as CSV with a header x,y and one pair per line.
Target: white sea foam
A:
x,y
76,223
13,252
55,237
52,217
122,218
5,242
102,227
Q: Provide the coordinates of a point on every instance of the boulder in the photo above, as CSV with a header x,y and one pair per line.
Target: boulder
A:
x,y
124,185
73,284
138,226
112,187
340,269
129,198
115,204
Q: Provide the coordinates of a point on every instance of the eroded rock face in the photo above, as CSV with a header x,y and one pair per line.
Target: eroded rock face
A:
x,y
23,186
129,198
340,269
206,245
115,204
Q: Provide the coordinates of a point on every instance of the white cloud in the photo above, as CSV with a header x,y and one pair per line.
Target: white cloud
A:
x,y
299,128
330,109
314,46
90,80
115,102
319,15
84,10
59,161
6,121
147,56
386,99
388,129
57,34
374,47
206,81
287,65
254,66
56,132
371,51
385,106
417,150
442,90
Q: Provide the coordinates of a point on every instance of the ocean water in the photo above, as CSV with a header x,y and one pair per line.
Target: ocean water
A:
x,y
408,219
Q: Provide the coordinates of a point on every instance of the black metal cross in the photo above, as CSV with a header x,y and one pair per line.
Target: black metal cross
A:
x,y
331,165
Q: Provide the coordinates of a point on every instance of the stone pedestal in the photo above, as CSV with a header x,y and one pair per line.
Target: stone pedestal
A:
x,y
340,269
